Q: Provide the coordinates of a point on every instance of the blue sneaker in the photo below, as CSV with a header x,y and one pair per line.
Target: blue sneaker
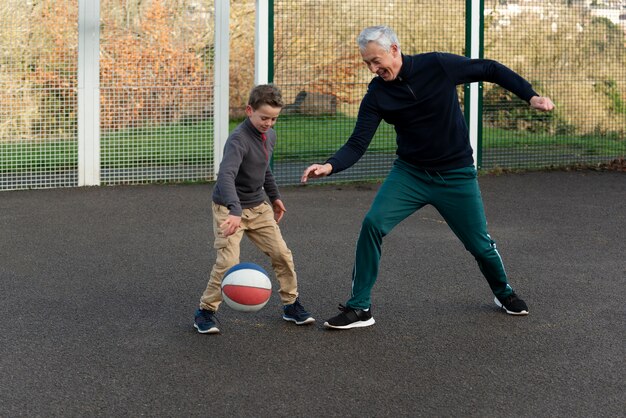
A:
x,y
204,322
296,313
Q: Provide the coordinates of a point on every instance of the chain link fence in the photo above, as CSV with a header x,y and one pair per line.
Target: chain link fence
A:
x,y
323,78
156,91
38,101
571,51
156,84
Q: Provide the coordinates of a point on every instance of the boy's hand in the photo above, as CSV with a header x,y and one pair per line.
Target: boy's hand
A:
x,y
230,225
279,210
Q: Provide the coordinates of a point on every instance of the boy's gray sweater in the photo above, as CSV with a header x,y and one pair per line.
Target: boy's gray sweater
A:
x,y
245,178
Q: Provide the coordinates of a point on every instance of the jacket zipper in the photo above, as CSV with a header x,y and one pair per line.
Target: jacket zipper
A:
x,y
264,139
408,86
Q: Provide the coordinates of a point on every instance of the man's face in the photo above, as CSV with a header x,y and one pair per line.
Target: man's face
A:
x,y
264,117
382,63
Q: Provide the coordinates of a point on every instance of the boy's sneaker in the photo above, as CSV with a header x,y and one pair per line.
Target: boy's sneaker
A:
x,y
350,318
296,313
512,304
204,322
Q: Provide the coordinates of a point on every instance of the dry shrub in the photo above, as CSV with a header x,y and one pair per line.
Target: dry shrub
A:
x,y
566,54
18,109
242,30
38,82
316,47
156,61
18,104
149,71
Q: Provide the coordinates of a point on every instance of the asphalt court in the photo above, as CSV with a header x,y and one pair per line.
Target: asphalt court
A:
x,y
99,286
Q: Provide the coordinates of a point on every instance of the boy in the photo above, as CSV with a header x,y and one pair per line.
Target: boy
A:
x,y
239,206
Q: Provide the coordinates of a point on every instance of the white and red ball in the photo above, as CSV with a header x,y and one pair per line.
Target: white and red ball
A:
x,y
246,287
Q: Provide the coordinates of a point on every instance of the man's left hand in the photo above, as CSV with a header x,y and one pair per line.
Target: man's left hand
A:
x,y
541,103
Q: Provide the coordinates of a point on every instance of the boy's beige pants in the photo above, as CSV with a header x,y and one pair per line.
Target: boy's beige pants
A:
x,y
259,225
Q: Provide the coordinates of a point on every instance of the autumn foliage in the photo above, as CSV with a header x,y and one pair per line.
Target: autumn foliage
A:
x,y
149,74
156,58
150,69
50,65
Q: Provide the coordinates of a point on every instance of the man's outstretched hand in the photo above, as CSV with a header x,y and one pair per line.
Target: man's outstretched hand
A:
x,y
315,171
541,103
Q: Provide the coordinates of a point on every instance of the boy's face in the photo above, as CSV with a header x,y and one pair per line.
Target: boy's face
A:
x,y
264,117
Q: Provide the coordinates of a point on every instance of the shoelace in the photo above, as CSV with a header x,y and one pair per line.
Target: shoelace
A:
x,y
298,307
343,308
511,298
210,316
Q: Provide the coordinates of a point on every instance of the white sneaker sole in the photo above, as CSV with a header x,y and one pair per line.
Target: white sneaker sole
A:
x,y
495,299
214,330
309,320
357,324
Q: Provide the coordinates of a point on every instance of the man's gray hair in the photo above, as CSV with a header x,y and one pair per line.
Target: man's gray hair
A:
x,y
382,35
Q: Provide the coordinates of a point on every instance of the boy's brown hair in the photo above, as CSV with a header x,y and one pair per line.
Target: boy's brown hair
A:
x,y
265,94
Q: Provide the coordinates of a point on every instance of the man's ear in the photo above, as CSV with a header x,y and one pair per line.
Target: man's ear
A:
x,y
395,51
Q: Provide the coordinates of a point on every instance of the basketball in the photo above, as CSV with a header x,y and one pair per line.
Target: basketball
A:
x,y
246,287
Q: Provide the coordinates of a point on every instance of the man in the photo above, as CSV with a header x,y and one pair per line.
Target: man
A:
x,y
417,94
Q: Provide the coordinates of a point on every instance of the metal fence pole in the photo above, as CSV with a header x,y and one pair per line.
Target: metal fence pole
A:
x,y
89,92
270,41
261,43
221,96
474,44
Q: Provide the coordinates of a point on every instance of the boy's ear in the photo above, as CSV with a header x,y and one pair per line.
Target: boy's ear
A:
x,y
249,110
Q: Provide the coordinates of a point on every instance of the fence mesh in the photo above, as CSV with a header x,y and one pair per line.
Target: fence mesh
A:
x,y
320,70
574,53
38,122
156,91
571,51
156,84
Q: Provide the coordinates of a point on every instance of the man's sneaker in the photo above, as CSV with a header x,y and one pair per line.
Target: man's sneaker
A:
x,y
205,322
350,318
296,313
512,304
